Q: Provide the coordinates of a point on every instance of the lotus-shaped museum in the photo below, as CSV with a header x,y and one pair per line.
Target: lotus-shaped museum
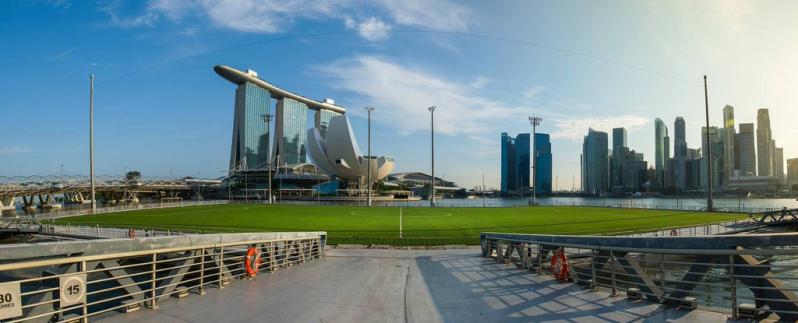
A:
x,y
337,153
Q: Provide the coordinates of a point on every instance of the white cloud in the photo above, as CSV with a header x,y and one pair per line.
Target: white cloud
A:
x,y
145,19
532,92
402,95
479,82
374,29
575,128
273,16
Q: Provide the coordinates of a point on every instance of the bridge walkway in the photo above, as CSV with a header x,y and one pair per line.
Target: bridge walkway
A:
x,y
369,285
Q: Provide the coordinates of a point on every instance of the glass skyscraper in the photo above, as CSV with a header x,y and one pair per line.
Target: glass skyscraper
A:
x,y
542,163
594,163
250,148
290,138
515,166
323,120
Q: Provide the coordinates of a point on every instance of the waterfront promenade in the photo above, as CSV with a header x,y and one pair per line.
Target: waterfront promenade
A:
x,y
368,285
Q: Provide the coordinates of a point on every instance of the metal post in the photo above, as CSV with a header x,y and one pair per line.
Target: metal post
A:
x,y
91,142
153,282
483,189
593,285
540,259
709,150
612,273
733,286
268,118
432,146
202,272
535,121
368,184
221,267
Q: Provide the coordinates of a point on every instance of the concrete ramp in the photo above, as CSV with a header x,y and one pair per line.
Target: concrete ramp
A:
x,y
356,285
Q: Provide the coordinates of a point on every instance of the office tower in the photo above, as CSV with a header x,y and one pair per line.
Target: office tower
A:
x,y
763,143
792,174
660,132
716,138
290,137
728,143
522,160
619,138
250,146
680,154
746,153
594,163
515,166
778,163
543,172
508,181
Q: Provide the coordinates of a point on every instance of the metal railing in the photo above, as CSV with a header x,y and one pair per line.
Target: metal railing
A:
x,y
100,232
117,279
124,208
744,275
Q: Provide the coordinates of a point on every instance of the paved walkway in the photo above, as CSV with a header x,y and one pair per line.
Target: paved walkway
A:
x,y
358,285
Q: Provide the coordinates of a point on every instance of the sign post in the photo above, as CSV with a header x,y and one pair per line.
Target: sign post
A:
x,y
72,290
10,301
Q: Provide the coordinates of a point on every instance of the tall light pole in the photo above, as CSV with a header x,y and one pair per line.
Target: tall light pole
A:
x,y
432,145
91,142
267,118
709,150
368,181
535,121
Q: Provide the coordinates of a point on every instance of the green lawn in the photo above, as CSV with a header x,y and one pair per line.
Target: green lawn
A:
x,y
421,226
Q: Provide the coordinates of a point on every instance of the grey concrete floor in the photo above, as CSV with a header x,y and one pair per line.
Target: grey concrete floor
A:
x,y
368,285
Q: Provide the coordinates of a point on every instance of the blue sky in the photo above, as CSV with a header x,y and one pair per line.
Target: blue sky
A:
x,y
161,109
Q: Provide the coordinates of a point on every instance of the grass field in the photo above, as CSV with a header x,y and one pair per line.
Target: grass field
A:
x,y
420,226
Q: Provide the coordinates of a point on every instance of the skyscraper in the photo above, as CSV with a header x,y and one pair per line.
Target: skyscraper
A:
x,y
660,132
792,174
290,138
250,146
522,160
515,164
543,164
763,143
716,138
619,138
728,144
680,153
778,164
746,154
508,181
594,162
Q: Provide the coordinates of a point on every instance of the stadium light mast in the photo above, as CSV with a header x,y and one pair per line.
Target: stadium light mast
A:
x,y
535,121
432,148
368,181
91,142
267,118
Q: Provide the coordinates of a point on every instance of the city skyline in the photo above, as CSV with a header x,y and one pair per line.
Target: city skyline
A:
x,y
160,111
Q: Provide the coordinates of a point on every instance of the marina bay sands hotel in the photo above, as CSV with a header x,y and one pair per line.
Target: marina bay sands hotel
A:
x,y
330,142
253,100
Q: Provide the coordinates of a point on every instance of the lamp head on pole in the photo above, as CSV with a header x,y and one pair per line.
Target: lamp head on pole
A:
x,y
369,109
535,121
431,108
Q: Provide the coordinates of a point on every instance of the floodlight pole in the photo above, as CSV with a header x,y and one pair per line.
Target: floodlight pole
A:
x,y
535,121
91,142
368,160
268,118
709,150
432,145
